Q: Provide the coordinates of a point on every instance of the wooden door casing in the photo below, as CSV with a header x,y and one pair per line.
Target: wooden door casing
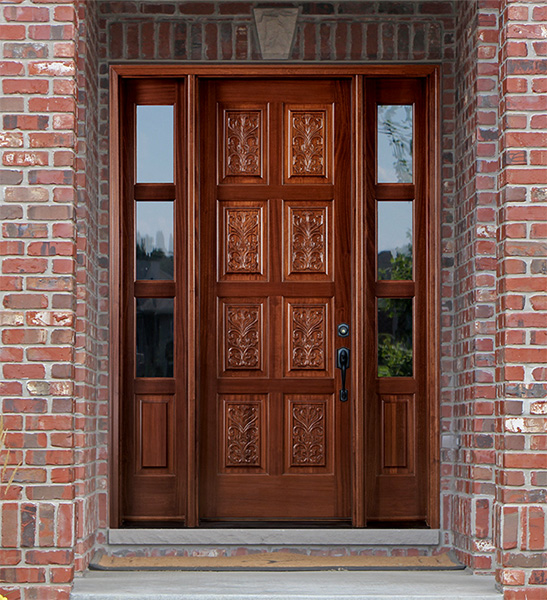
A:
x,y
275,230
159,433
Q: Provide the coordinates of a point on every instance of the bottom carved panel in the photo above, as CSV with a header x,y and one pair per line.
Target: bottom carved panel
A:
x,y
397,433
243,435
309,433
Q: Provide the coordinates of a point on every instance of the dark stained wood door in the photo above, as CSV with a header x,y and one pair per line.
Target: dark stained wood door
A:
x,y
275,273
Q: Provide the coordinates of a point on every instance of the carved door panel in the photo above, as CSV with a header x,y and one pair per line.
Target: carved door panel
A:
x,y
275,229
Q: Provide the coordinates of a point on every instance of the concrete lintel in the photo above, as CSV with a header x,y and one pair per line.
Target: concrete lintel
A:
x,y
276,537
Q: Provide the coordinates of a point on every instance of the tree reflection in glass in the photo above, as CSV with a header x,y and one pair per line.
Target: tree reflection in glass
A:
x,y
395,142
395,337
395,240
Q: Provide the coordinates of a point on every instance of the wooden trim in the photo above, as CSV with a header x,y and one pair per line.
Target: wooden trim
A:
x,y
362,243
115,291
358,350
192,300
157,71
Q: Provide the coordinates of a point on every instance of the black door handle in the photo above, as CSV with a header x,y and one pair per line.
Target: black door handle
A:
x,y
342,363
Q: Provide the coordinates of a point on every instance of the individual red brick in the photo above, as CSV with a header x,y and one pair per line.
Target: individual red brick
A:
x,y
517,13
65,525
540,374
51,140
25,230
24,371
525,461
10,140
25,301
10,284
11,248
49,177
539,13
10,525
24,265
26,13
51,104
11,354
11,68
64,50
25,86
12,32
24,336
25,159
52,68
51,32
49,354
46,557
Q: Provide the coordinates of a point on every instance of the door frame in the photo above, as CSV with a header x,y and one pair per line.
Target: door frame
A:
x,y
357,74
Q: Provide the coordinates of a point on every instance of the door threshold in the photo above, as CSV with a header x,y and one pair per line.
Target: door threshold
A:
x,y
275,537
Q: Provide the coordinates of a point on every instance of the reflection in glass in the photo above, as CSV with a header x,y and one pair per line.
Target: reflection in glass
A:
x,y
154,337
395,240
154,144
395,143
395,337
154,240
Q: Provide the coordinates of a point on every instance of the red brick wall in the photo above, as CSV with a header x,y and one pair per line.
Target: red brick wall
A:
x,y
521,306
49,289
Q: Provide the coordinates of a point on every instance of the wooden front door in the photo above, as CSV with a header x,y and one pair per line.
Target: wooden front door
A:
x,y
276,230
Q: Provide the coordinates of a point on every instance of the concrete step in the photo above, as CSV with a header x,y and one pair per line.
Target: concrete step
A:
x,y
318,585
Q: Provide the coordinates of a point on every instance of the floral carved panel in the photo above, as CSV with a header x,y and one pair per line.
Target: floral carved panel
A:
x,y
243,143
308,240
243,433
308,337
243,239
242,337
308,144
308,434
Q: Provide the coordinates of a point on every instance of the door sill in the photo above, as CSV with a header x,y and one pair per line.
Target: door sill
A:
x,y
276,537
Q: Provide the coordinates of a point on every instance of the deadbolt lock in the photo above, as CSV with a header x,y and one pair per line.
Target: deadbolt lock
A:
x,y
343,330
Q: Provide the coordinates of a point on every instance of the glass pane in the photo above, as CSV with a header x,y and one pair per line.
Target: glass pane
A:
x,y
395,240
395,143
154,144
395,337
155,337
154,240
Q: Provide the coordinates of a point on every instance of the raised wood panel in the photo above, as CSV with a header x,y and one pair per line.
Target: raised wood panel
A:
x,y
309,431
307,241
308,143
241,143
243,419
243,231
241,344
155,431
398,435
309,337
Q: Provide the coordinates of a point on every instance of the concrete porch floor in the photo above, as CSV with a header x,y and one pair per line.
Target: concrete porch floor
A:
x,y
317,585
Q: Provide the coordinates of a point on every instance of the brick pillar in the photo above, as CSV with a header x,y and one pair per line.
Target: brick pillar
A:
x,y
522,308
475,281
41,314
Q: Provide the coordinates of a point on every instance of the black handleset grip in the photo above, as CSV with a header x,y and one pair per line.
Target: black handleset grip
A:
x,y
342,363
